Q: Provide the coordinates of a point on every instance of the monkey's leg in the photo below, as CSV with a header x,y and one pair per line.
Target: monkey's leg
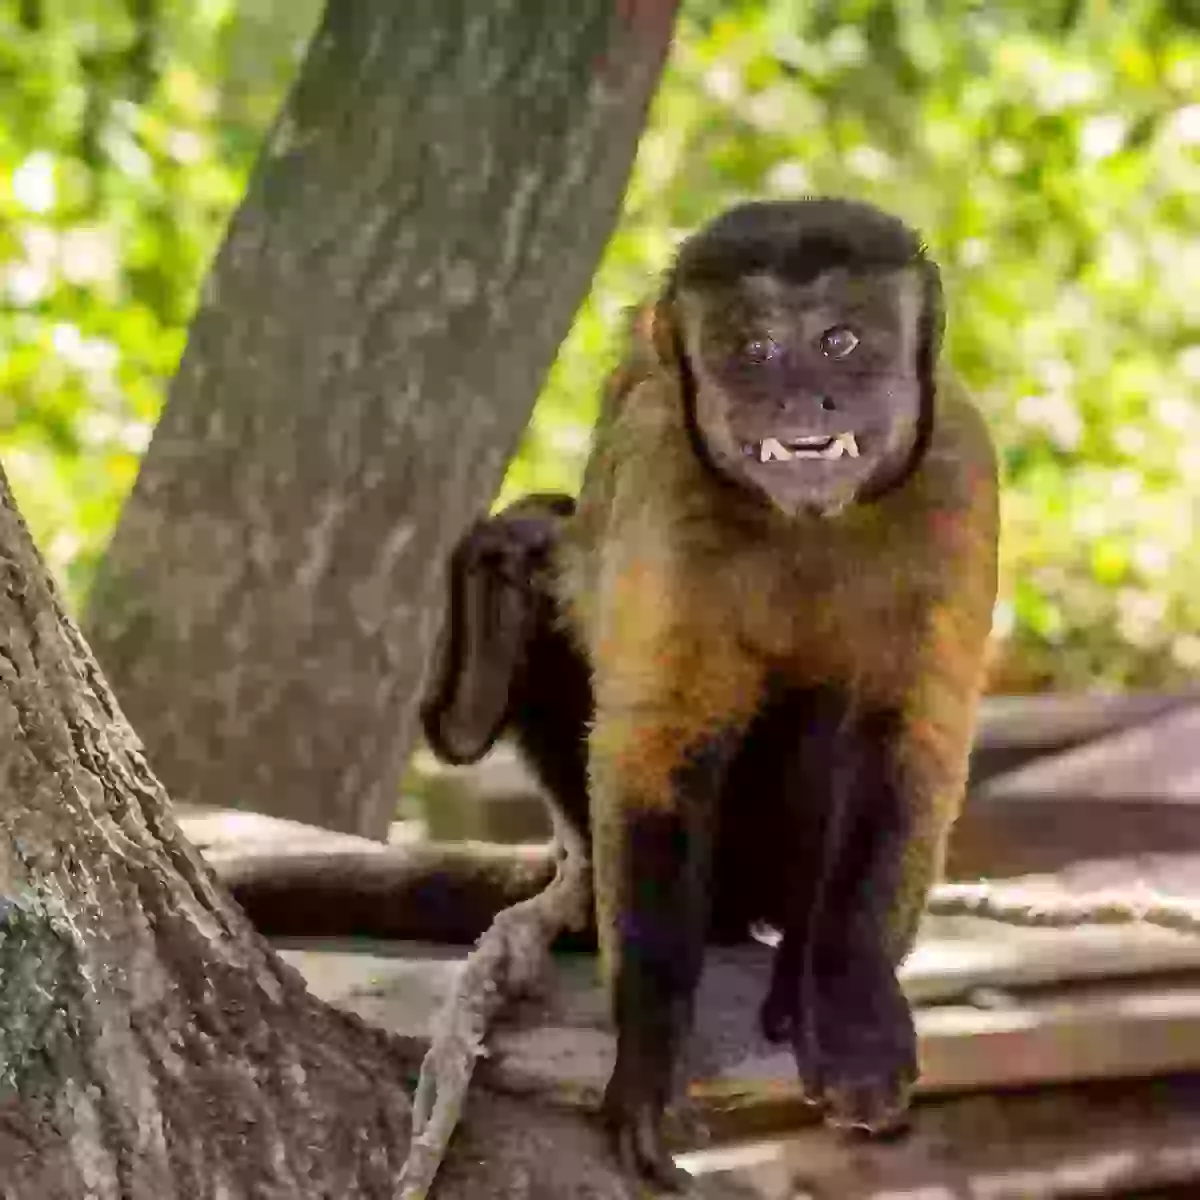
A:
x,y
863,1037
656,787
809,766
851,1025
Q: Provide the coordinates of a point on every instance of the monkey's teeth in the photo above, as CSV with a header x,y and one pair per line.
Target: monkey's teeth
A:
x,y
773,450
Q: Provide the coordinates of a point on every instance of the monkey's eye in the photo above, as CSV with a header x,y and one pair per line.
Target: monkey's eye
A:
x,y
838,341
760,349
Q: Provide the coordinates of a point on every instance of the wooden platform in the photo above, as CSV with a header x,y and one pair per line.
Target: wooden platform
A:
x,y
1055,1063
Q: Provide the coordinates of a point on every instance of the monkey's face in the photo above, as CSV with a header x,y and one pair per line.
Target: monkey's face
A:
x,y
813,395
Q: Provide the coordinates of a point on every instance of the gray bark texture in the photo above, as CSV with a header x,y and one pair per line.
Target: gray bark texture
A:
x,y
152,1045
421,227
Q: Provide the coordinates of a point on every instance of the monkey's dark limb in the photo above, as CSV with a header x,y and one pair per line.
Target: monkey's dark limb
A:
x,y
550,714
863,1034
661,853
834,993
661,942
796,767
440,893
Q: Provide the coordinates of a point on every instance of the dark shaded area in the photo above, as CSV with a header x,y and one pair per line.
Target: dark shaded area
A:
x,y
418,893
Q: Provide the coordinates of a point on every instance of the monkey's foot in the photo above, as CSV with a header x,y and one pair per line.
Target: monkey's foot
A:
x,y
864,1060
639,1144
856,1095
875,1107
853,1040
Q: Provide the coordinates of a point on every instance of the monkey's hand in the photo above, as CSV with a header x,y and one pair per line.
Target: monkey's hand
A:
x,y
635,1127
866,1047
851,1030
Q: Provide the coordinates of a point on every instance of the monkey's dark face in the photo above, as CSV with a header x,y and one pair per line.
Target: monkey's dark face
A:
x,y
811,394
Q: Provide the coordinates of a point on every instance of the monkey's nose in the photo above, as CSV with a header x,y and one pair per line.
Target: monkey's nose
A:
x,y
785,402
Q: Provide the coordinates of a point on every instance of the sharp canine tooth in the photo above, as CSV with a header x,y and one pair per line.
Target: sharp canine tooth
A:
x,y
771,448
834,449
850,444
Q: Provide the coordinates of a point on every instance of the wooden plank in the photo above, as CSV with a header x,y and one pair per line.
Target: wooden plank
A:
x,y
1054,721
1015,730
1157,760
1008,835
1073,1141
1112,1139
955,959
1085,1032
561,1043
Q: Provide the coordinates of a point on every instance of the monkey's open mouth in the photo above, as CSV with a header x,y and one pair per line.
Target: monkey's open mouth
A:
x,y
777,450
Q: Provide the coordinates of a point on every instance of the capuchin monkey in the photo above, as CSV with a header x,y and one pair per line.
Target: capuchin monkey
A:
x,y
752,654
781,570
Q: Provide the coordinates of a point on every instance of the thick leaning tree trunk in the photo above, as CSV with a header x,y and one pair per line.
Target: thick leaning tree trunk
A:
x,y
413,246
152,1047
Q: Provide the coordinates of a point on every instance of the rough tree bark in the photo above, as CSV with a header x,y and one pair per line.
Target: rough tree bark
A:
x,y
412,248
152,1046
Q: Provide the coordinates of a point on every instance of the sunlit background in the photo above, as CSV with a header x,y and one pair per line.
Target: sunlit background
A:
x,y
1049,151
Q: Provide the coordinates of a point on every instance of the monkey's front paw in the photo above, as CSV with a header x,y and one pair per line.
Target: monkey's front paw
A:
x,y
866,1052
877,1107
638,1141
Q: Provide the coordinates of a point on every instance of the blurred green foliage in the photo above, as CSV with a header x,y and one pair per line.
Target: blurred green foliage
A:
x,y
127,128
1049,151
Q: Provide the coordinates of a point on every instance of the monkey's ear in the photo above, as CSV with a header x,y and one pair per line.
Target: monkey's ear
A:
x,y
481,646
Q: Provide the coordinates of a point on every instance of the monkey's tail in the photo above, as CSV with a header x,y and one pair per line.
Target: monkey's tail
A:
x,y
432,892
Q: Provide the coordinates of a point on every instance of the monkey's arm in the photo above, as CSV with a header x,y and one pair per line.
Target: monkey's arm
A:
x,y
960,517
670,710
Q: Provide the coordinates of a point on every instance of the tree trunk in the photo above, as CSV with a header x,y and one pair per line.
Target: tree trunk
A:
x,y
152,1046
151,1043
421,227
